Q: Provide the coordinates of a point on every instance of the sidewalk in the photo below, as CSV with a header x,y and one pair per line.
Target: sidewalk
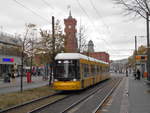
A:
x,y
131,96
37,81
139,96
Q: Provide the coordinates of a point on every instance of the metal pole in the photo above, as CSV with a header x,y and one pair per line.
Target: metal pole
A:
x,y
31,58
53,36
135,51
135,45
22,61
53,45
147,24
148,49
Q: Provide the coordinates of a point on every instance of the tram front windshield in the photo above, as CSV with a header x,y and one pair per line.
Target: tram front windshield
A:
x,y
66,69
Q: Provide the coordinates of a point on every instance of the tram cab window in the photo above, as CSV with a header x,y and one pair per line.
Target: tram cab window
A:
x,y
67,69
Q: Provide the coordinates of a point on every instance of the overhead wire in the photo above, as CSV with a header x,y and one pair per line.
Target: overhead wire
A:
x,y
119,55
51,7
108,45
103,23
122,50
48,4
97,12
32,11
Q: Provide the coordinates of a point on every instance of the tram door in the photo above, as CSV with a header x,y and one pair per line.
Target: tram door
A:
x,y
81,75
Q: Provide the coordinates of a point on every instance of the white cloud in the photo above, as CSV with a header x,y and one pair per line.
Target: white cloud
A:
x,y
108,28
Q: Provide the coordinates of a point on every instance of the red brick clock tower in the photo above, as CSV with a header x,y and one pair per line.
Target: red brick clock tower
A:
x,y
70,31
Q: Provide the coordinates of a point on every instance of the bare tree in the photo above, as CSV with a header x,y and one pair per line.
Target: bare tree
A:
x,y
25,50
138,8
30,48
47,42
82,43
51,45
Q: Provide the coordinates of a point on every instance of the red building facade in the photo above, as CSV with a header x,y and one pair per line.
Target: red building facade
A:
x,y
99,55
71,45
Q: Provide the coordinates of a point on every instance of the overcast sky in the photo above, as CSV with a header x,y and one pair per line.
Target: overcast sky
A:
x,y
105,24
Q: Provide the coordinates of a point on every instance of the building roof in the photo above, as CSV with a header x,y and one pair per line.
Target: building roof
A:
x,y
6,38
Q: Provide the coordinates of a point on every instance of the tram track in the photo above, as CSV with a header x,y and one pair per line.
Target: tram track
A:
x,y
33,104
72,109
68,104
106,97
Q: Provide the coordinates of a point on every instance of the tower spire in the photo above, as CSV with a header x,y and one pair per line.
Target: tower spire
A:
x,y
69,8
70,16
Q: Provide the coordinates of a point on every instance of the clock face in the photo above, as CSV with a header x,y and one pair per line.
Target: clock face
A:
x,y
69,26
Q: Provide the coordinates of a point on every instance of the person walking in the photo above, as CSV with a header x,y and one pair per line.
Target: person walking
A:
x,y
134,73
138,74
126,72
13,76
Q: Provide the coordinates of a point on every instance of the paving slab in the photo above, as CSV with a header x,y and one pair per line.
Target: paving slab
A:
x,y
37,81
139,96
131,96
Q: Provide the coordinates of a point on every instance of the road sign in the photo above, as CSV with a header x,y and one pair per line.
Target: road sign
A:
x,y
141,57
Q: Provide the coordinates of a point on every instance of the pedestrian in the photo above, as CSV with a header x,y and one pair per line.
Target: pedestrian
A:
x,y
138,74
9,75
126,73
13,76
134,74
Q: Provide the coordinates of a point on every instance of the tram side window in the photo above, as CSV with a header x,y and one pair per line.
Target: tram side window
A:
x,y
85,70
88,68
77,68
101,70
93,69
107,69
104,69
97,67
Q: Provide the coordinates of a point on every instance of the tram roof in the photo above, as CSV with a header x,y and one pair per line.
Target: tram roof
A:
x,y
76,56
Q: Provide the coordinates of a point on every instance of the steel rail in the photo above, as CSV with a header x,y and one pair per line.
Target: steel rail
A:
x,y
107,96
74,104
46,105
28,102
84,98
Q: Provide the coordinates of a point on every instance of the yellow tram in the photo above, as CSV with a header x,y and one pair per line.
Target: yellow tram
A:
x,y
74,71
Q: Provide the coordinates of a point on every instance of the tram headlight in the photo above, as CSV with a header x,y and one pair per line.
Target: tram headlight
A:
x,y
55,80
74,79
